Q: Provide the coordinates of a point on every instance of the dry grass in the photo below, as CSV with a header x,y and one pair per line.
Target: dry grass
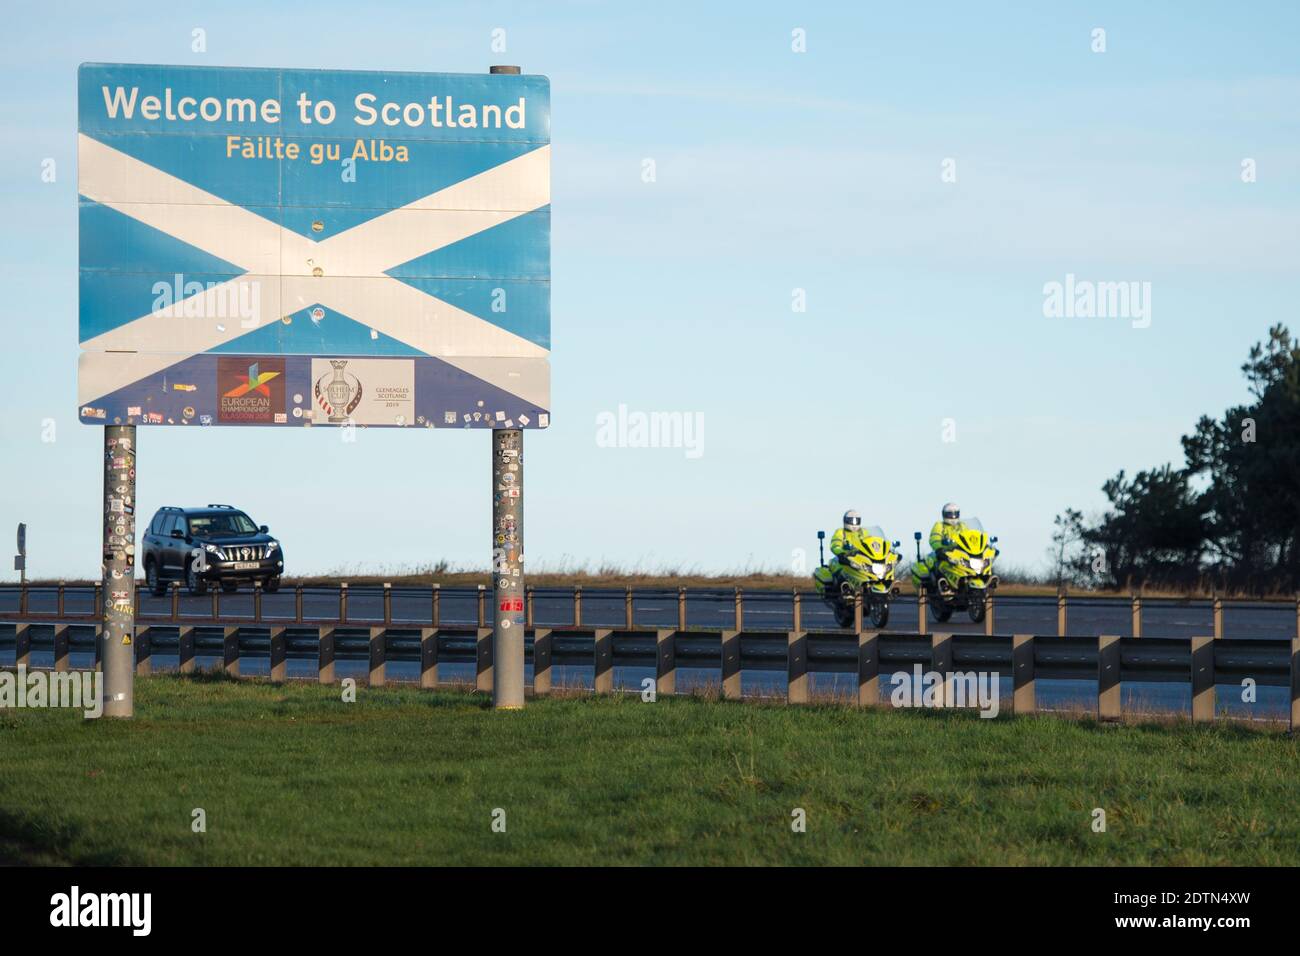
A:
x,y
1014,580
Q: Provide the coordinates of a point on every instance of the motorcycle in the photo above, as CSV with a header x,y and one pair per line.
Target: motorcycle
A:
x,y
867,570
959,575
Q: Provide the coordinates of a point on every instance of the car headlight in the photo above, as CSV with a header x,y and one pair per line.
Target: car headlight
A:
x,y
213,549
272,547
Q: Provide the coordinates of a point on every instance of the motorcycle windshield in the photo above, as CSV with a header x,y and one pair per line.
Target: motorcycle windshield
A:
x,y
872,543
970,537
877,545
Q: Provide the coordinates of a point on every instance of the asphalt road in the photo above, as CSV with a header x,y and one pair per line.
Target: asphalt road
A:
x,y
710,609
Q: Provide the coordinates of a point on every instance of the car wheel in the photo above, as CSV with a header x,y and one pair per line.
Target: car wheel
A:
x,y
195,583
271,585
153,579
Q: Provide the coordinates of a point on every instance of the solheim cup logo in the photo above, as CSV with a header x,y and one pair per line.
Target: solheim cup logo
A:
x,y
342,395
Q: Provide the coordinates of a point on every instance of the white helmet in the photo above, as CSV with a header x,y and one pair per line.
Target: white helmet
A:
x,y
951,514
852,521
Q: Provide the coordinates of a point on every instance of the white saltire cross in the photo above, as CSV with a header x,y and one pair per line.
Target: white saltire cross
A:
x,y
344,271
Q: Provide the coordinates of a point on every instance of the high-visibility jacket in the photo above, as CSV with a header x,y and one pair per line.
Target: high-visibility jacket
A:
x,y
941,531
843,540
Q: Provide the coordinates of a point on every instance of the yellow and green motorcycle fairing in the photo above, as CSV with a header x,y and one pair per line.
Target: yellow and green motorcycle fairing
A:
x,y
865,566
959,574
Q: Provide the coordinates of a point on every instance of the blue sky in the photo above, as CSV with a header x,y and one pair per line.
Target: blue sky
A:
x,y
775,170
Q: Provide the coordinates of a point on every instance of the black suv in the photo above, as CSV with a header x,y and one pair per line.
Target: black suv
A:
x,y
213,544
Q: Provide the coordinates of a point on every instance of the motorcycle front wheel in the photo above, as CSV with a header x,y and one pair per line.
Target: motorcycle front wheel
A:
x,y
976,609
940,608
879,614
843,615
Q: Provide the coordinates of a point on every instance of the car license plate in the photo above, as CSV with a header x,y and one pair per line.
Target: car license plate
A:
x,y
245,565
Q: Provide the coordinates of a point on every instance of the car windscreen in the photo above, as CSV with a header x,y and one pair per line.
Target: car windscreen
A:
x,y
233,522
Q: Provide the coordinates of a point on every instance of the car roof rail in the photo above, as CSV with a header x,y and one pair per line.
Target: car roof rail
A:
x,y
231,507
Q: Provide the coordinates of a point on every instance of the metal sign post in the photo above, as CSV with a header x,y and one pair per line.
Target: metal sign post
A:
x,y
117,634
507,567
20,559
508,552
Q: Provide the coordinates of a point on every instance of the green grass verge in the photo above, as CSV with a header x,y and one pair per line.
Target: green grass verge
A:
x,y
292,775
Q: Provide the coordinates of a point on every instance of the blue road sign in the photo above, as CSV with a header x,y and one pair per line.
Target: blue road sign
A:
x,y
299,247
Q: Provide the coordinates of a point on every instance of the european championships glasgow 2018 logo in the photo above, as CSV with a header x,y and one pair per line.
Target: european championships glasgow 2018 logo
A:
x,y
251,393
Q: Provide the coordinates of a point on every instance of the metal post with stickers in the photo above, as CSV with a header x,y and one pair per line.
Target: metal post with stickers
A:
x,y
117,629
508,570
280,248
508,553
